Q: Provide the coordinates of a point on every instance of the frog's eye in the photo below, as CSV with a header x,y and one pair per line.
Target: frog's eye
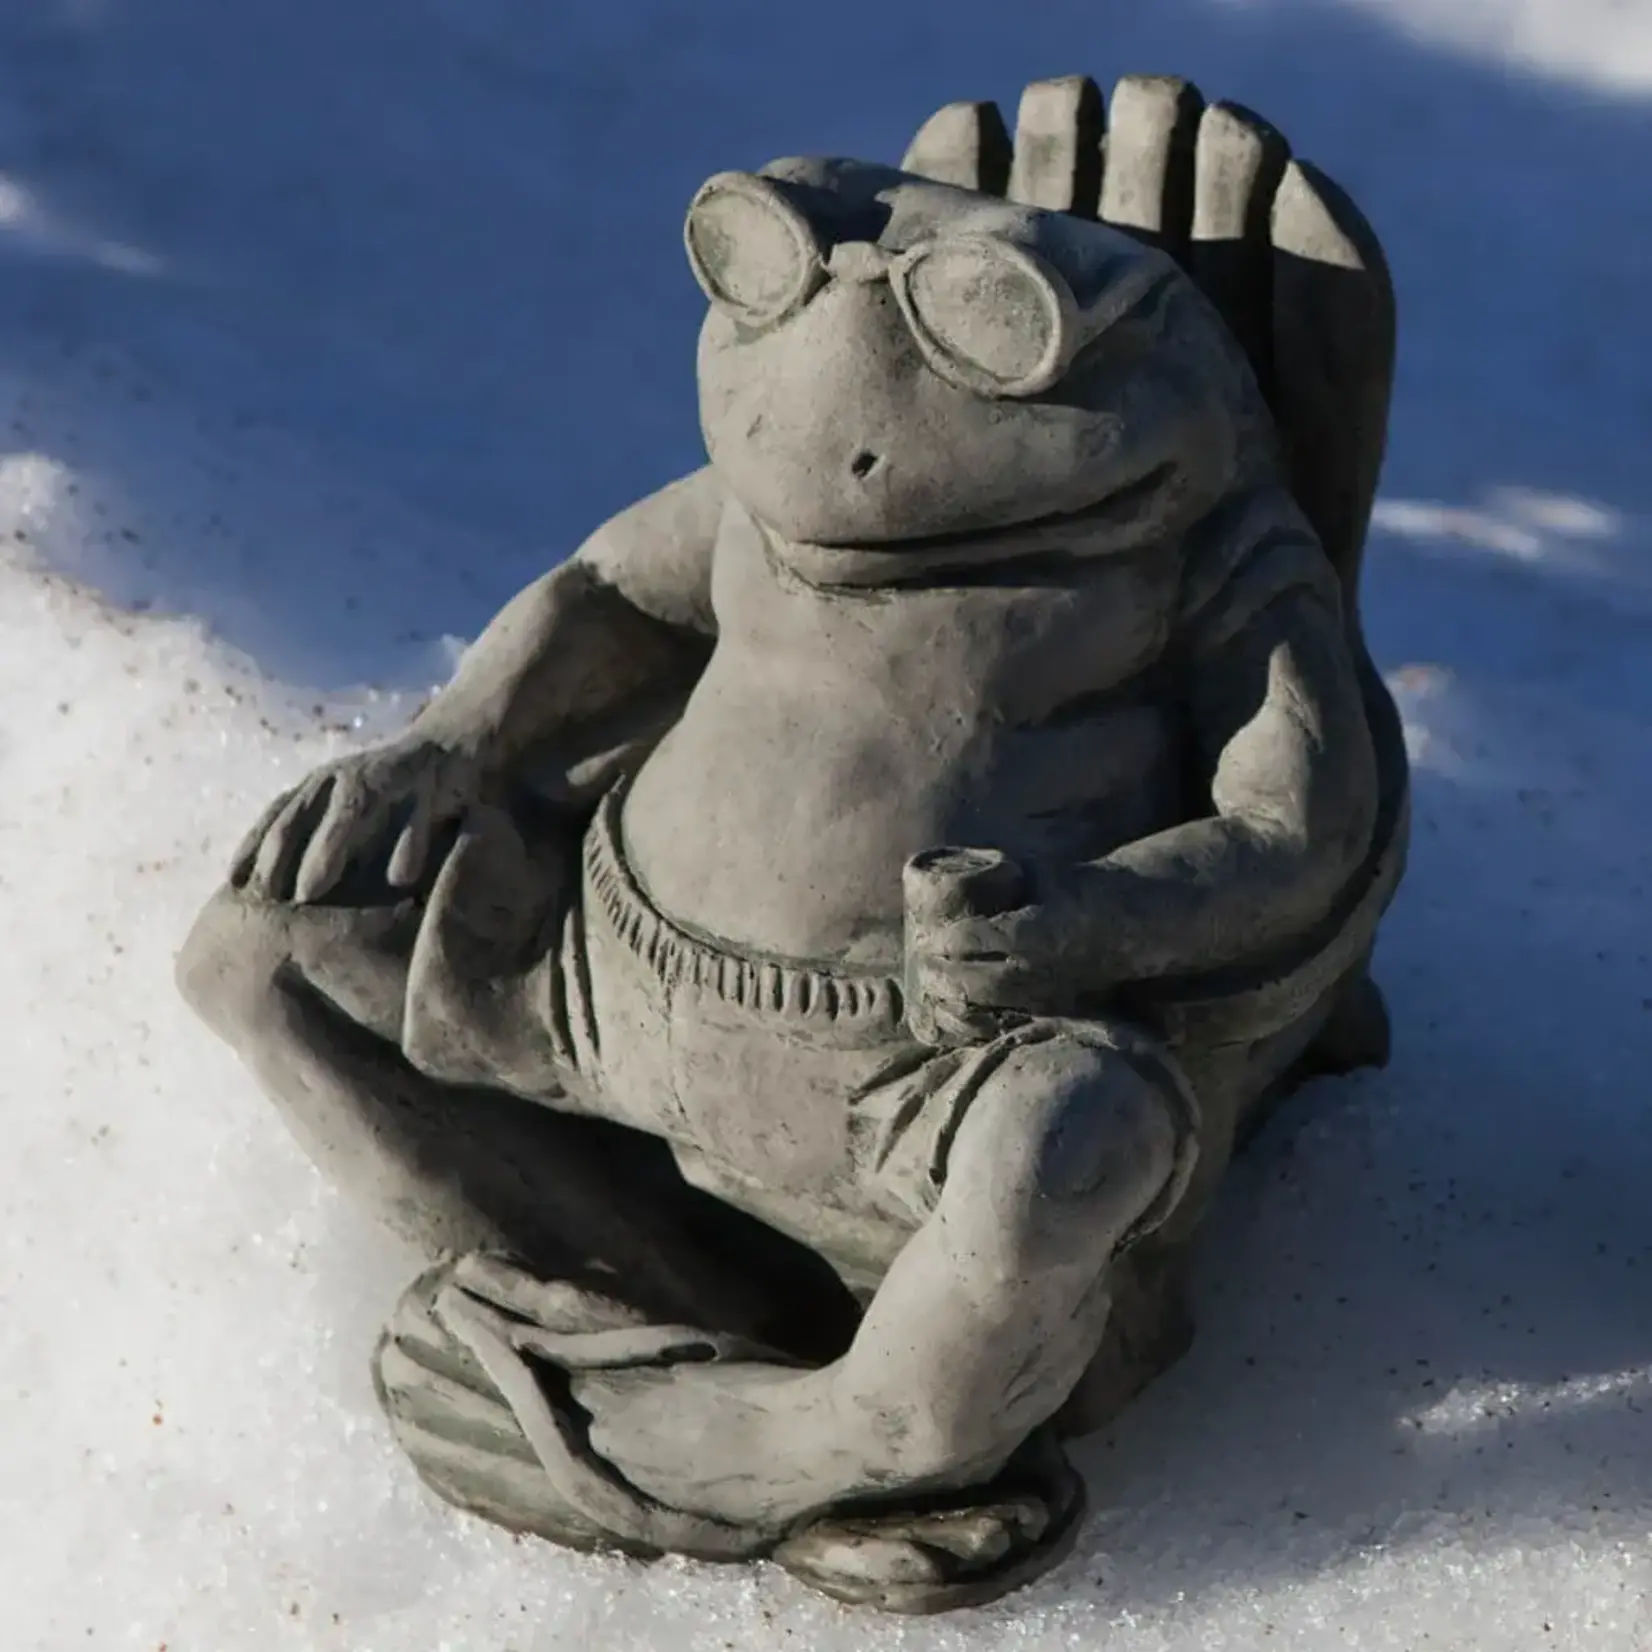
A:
x,y
753,253
988,315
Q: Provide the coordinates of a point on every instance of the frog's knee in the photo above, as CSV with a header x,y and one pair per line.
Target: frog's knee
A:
x,y
227,968
1112,1118
245,958
1077,1130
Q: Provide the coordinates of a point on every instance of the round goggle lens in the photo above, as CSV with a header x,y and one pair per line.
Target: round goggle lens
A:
x,y
751,251
987,314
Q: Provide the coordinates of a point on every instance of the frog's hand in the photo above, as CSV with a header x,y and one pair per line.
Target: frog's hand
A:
x,y
1284,255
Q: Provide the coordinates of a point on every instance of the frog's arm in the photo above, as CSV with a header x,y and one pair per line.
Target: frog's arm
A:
x,y
603,642
1281,734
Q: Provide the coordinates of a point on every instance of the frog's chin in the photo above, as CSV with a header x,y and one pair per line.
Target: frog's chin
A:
x,y
1147,511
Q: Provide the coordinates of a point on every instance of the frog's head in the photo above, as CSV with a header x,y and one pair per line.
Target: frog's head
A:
x,y
888,359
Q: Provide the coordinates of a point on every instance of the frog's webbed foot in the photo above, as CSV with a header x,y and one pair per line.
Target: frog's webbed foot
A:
x,y
949,1551
475,1372
461,1434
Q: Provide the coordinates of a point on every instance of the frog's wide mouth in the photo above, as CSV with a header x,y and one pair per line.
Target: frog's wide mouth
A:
x,y
1126,518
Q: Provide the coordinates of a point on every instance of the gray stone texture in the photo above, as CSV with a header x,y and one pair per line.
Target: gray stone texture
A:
x,y
803,979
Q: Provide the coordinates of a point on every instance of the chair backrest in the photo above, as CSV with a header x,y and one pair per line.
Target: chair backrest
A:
x,y
1292,264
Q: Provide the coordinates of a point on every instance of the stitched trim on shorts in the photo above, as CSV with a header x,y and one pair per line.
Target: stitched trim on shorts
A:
x,y
678,958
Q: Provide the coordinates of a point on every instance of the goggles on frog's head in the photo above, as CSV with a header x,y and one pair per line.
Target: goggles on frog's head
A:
x,y
989,314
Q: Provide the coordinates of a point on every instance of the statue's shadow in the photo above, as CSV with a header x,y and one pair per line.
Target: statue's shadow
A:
x,y
1425,1299
441,330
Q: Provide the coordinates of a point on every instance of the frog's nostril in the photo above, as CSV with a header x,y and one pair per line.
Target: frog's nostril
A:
x,y
864,463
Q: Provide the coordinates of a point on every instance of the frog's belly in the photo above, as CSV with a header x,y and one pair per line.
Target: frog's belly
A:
x,y
785,837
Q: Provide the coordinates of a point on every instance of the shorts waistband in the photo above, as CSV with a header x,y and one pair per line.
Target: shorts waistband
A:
x,y
800,992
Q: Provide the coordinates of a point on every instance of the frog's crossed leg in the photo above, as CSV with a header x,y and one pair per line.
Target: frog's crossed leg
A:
x,y
505,1439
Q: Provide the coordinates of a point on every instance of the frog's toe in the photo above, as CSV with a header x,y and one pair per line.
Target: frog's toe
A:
x,y
965,1549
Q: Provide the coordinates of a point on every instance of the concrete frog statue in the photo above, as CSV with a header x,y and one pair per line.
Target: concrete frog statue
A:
x,y
802,980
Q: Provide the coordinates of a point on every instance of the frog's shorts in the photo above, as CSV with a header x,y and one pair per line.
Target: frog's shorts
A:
x,y
791,1090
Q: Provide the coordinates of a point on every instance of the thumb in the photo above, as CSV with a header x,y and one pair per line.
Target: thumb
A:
x,y
491,887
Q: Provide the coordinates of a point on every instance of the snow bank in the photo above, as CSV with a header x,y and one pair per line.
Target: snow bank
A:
x,y
1418,1411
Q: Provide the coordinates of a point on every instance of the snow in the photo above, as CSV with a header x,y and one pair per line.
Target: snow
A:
x,y
1592,42
384,302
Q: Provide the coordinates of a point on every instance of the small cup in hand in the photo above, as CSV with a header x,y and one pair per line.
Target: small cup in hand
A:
x,y
942,885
